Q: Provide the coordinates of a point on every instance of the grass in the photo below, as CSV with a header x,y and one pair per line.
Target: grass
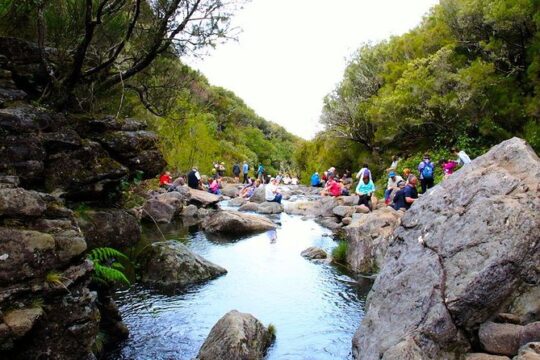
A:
x,y
339,253
55,279
272,330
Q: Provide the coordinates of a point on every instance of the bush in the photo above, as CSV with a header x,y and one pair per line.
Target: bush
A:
x,y
339,253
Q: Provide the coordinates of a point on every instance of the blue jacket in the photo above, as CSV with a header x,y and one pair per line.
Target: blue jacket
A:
x,y
315,179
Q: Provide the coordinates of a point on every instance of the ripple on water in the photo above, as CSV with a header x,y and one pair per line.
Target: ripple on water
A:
x,y
315,309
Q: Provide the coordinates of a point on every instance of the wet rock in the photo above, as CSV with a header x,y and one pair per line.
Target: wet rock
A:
x,y
314,253
331,223
236,336
258,195
236,223
230,190
237,201
190,211
369,238
158,211
109,227
249,206
343,211
203,198
461,253
172,264
270,208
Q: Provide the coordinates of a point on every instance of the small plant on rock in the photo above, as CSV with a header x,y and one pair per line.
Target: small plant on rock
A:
x,y
339,254
107,266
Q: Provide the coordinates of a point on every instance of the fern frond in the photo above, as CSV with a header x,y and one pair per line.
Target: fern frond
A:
x,y
109,274
103,254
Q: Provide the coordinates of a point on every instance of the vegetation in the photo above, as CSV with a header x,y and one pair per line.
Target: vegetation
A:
x,y
468,75
272,330
339,253
107,266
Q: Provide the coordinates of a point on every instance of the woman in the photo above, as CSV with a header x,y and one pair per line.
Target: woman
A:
x,y
214,187
365,190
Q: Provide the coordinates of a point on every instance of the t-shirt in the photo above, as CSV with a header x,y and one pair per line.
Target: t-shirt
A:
x,y
449,167
245,168
333,188
165,179
399,199
463,158
393,183
364,189
269,194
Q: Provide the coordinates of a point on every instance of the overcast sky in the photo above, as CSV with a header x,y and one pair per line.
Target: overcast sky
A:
x,y
292,53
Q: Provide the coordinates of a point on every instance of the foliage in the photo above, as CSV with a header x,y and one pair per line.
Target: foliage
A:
x,y
339,253
99,343
272,330
107,266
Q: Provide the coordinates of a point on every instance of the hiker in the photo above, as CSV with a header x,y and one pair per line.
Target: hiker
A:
x,y
194,179
245,171
165,180
393,166
426,169
406,174
448,167
272,192
392,185
177,183
407,196
236,172
260,172
463,158
247,191
365,190
214,187
294,180
221,169
344,189
315,180
215,167
286,179
331,188
364,170
331,172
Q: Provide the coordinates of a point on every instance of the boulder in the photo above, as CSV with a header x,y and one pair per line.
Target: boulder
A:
x,y
270,208
249,206
331,223
236,336
258,195
347,221
20,321
230,190
483,356
20,202
173,198
343,211
171,264
530,351
236,223
314,253
190,211
109,228
158,211
369,238
460,255
506,339
238,201
203,198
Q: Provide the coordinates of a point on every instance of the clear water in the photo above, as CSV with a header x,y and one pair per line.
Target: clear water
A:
x,y
316,308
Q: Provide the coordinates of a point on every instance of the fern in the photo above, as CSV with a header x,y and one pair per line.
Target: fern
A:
x,y
107,269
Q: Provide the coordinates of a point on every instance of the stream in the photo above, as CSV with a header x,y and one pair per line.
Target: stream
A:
x,y
316,308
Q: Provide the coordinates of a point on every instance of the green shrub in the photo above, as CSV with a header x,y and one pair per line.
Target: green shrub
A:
x,y
339,253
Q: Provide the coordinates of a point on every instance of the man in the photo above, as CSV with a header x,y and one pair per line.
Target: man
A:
x,y
392,185
407,196
260,172
463,158
271,192
365,190
194,178
245,170
426,169
315,180
236,172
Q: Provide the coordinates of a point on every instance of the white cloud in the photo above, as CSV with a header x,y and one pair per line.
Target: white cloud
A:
x,y
292,53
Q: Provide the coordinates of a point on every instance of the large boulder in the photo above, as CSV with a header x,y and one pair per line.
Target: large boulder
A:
x,y
269,208
461,255
171,264
204,198
236,336
236,223
369,237
158,211
230,190
506,339
109,227
258,195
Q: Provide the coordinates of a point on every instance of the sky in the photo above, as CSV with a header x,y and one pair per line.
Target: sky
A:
x,y
291,53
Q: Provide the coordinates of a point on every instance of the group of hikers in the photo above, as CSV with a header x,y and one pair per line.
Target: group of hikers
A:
x,y
400,191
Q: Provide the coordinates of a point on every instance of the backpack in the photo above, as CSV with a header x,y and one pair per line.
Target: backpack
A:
x,y
427,171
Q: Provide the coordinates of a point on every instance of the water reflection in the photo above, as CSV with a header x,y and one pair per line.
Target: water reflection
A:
x,y
316,308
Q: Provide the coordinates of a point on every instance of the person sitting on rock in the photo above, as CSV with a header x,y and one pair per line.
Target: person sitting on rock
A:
x,y
365,190
165,180
177,183
215,186
463,158
194,179
448,167
294,180
407,196
331,188
249,190
316,180
272,192
393,180
406,174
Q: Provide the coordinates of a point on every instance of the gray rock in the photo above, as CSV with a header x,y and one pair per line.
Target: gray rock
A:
x,y
258,195
236,336
203,198
343,211
171,264
270,208
173,198
236,223
158,211
190,211
331,223
314,253
483,356
230,190
462,252
238,201
530,351
20,202
346,220
249,206
369,238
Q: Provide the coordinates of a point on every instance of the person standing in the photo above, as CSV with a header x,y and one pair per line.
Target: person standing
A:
x,y
236,172
463,158
426,169
194,178
245,171
393,166
260,172
221,169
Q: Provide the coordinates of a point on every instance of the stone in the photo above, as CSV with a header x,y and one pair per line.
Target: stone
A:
x,y
20,202
331,223
500,339
158,211
236,223
21,321
171,264
236,336
343,211
461,253
203,198
270,208
258,195
249,206
238,201
114,228
230,190
190,211
369,238
530,351
173,198
314,253
483,356
346,221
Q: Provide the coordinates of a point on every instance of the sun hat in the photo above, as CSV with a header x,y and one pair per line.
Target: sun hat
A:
x,y
392,174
